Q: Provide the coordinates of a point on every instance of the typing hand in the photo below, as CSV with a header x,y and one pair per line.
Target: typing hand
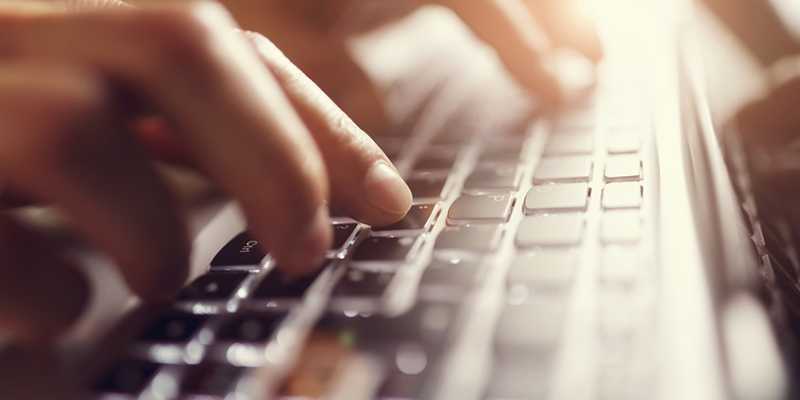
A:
x,y
77,83
521,31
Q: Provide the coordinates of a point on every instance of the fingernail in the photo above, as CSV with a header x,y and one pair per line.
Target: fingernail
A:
x,y
309,252
386,189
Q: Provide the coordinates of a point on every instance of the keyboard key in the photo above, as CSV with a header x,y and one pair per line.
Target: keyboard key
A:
x,y
502,150
391,146
342,234
623,143
561,197
493,177
570,143
551,230
428,187
525,378
277,285
530,327
425,323
623,168
485,208
436,160
564,169
357,283
241,250
214,286
620,266
129,376
450,273
572,120
549,268
210,379
622,195
483,238
250,327
384,249
177,327
419,219
622,226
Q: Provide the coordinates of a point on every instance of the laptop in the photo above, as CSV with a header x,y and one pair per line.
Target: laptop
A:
x,y
593,251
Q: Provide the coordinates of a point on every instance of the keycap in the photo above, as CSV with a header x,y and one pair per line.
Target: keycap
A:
x,y
525,378
335,213
425,323
391,146
485,208
384,249
450,273
570,143
564,169
530,327
401,386
429,187
551,230
175,327
622,226
547,268
623,143
623,167
482,238
571,120
502,150
277,285
252,327
620,266
622,195
342,234
357,283
418,219
561,197
436,160
241,250
214,286
493,177
128,376
212,379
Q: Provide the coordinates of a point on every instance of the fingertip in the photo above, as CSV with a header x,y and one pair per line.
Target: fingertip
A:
x,y
305,255
386,190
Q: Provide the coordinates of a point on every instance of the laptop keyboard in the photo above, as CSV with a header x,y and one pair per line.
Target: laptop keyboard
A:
x,y
523,267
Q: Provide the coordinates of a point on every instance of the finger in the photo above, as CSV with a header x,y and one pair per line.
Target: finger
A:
x,y
568,23
80,159
228,110
364,184
302,30
41,294
773,120
508,27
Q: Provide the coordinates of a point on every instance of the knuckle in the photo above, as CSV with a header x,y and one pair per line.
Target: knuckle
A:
x,y
175,39
46,110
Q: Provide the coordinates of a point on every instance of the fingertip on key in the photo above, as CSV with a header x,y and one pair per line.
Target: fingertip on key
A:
x,y
386,189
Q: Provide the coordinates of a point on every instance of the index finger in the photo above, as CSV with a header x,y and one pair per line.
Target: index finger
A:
x,y
510,29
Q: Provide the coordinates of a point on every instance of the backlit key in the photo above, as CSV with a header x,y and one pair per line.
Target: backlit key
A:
x,y
570,143
564,169
485,208
551,230
418,219
243,250
623,168
502,177
622,195
561,197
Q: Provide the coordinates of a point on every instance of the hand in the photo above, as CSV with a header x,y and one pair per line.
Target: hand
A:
x,y
75,86
520,31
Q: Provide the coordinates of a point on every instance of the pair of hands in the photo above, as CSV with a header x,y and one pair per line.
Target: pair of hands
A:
x,y
91,92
